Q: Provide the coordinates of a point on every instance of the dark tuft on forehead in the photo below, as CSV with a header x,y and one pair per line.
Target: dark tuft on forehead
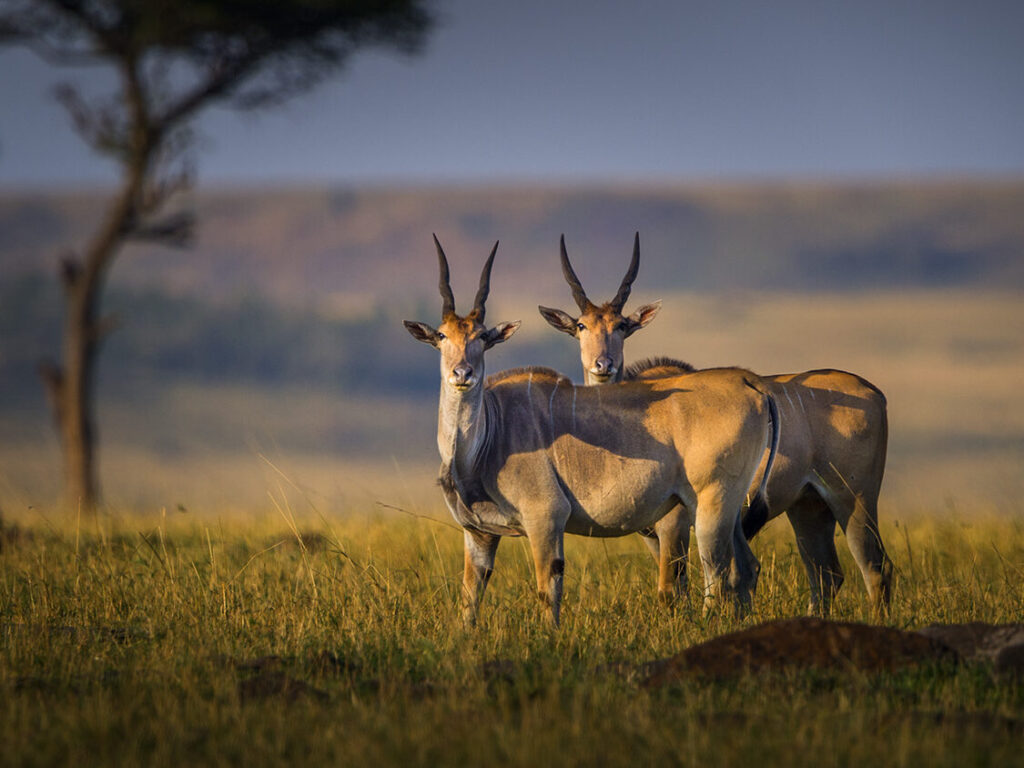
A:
x,y
466,324
602,310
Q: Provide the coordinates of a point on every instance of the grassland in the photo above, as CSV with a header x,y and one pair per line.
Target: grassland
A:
x,y
188,625
171,639
275,579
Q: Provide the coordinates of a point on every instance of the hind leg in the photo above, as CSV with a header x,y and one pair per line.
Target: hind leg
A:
x,y
727,569
856,511
673,531
858,517
650,539
745,568
815,527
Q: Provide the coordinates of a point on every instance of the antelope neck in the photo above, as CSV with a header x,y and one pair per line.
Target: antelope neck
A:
x,y
461,428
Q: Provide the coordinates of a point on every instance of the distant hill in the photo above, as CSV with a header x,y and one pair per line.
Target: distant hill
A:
x,y
344,249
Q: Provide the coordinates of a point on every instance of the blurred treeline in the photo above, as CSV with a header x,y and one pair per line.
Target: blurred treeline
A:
x,y
162,339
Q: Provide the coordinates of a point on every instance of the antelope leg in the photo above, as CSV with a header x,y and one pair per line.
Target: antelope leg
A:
x,y
673,532
480,549
549,564
650,539
718,534
744,571
859,520
815,530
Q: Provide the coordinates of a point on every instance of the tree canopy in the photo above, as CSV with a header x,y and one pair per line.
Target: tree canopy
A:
x,y
175,56
171,58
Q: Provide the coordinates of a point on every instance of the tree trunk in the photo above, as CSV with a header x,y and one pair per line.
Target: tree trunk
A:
x,y
70,386
70,391
77,431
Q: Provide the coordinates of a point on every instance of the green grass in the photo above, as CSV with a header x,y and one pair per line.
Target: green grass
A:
x,y
175,639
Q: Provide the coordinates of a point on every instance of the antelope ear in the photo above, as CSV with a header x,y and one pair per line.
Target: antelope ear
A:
x,y
499,333
422,332
559,320
642,317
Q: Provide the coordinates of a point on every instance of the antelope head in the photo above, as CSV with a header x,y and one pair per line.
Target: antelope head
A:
x,y
462,340
601,330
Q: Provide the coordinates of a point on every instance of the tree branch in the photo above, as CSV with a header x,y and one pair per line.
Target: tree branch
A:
x,y
97,125
63,57
221,78
70,270
174,230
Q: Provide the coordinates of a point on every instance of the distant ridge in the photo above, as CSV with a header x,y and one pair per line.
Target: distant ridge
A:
x,y
295,245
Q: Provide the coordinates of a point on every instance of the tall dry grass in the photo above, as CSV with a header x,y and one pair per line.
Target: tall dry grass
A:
x,y
290,635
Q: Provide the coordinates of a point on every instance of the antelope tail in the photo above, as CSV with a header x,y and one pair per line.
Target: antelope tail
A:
x,y
757,514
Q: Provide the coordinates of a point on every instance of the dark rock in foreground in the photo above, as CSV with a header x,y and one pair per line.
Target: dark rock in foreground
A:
x,y
1000,644
800,644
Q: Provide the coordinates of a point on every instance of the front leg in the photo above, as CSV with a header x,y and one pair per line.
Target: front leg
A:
x,y
673,531
549,565
480,549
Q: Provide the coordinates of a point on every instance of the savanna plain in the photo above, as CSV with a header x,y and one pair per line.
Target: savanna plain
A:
x,y
282,637
266,603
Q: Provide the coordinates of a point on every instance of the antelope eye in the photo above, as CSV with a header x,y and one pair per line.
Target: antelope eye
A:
x,y
441,335
581,327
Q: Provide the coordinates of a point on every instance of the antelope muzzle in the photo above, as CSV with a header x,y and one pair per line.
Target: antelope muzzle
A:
x,y
462,377
603,368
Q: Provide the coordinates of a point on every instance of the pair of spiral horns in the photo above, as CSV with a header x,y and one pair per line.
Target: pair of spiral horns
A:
x,y
578,294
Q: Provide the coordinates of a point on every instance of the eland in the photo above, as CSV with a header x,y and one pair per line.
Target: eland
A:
x,y
831,453
525,452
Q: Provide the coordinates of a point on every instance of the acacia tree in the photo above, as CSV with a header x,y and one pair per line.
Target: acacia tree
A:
x,y
171,59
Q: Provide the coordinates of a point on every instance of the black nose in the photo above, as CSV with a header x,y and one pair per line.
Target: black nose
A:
x,y
603,364
461,374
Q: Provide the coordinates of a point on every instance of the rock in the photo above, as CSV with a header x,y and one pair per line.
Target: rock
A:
x,y
1002,645
802,643
1010,660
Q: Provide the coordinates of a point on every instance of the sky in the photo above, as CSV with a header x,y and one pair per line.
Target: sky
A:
x,y
601,91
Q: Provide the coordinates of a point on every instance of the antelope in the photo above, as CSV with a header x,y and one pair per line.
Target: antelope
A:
x,y
527,453
831,453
